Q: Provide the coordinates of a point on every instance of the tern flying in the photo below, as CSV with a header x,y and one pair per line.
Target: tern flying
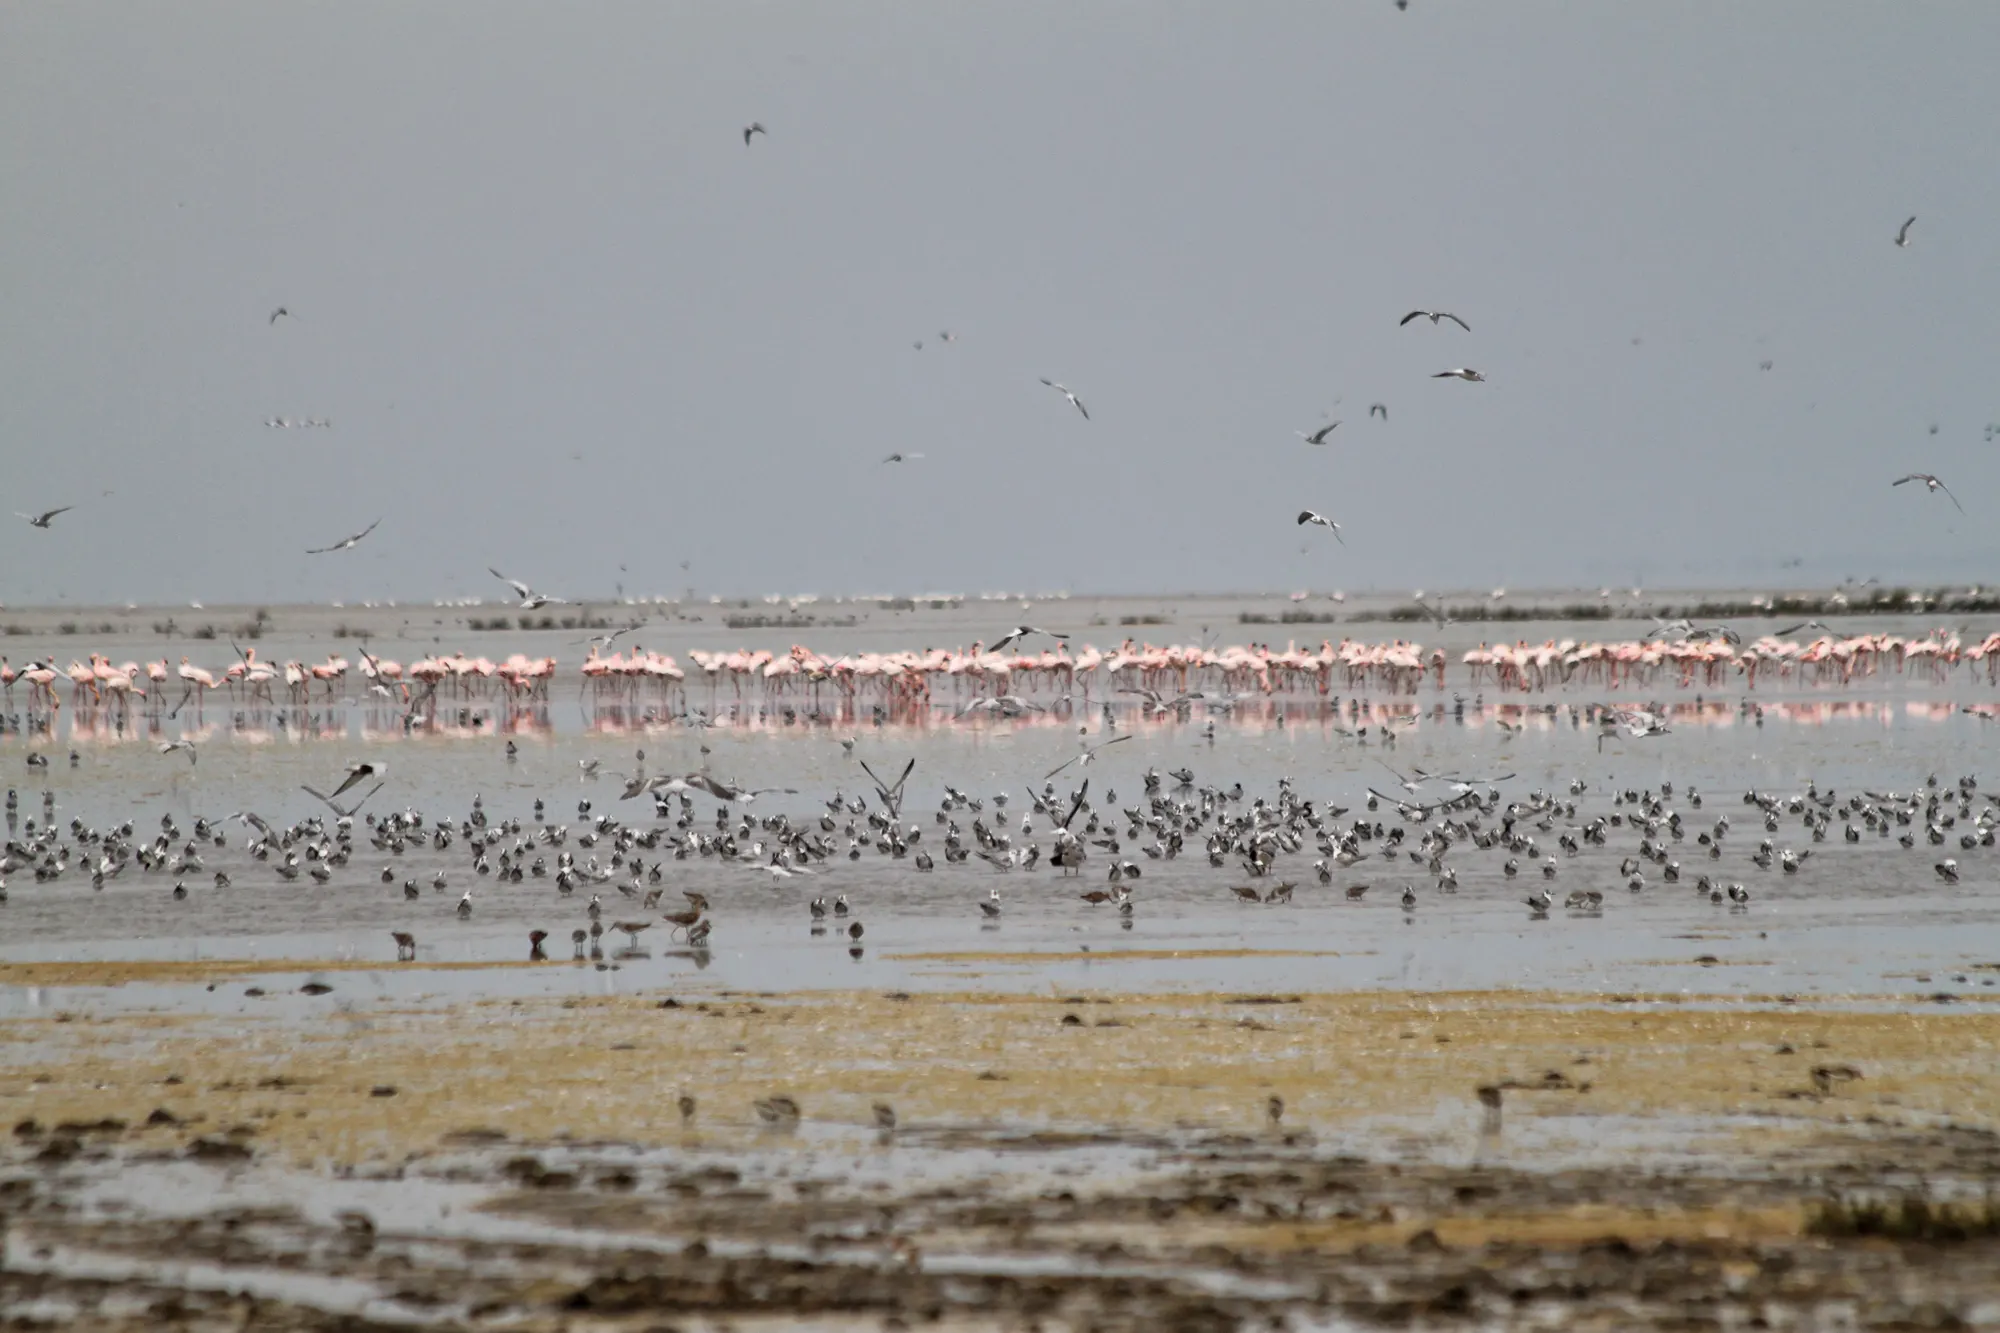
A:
x,y
1308,516
901,458
168,747
1930,483
1460,373
1089,753
530,599
358,772
754,127
1020,632
1434,316
282,311
41,520
1074,401
1379,409
1903,234
343,545
1318,436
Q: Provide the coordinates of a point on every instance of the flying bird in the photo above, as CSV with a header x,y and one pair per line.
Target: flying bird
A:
x,y
901,458
1308,516
358,772
168,747
1074,401
1318,436
1460,373
1903,235
282,311
343,545
754,127
1020,632
1089,753
530,599
1379,409
41,520
1434,316
1932,484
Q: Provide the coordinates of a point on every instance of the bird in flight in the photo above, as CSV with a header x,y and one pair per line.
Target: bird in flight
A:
x,y
1434,316
901,458
282,311
1074,401
343,545
358,772
1903,235
1318,436
754,127
1089,753
530,599
1379,409
1020,632
168,747
41,520
1308,516
1932,484
1460,373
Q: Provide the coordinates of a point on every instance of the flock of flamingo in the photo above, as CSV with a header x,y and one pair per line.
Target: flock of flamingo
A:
x,y
964,679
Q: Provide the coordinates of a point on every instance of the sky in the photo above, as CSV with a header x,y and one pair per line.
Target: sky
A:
x,y
566,324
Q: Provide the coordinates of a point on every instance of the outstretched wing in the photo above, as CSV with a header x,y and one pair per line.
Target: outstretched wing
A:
x,y
1456,320
1914,476
1077,804
1305,516
1414,314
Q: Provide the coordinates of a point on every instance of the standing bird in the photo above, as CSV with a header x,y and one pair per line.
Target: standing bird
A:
x,y
754,127
1460,373
1318,436
345,543
1074,401
41,520
1308,516
1434,316
1932,484
1903,234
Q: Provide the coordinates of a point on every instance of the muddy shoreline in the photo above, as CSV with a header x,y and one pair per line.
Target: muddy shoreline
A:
x,y
1067,1161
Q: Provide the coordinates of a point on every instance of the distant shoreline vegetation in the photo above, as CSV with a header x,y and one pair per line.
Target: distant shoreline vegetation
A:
x,y
1876,602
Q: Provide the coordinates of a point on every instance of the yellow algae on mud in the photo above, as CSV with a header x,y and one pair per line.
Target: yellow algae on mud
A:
x,y
390,1083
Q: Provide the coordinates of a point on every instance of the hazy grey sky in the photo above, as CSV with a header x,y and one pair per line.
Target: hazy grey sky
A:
x,y
563,320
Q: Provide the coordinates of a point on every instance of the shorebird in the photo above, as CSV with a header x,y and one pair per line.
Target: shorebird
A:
x,y
406,946
1308,516
1318,436
1460,373
282,311
1379,409
357,772
345,543
41,520
901,458
1434,316
1020,632
991,907
754,127
1903,233
1930,483
885,1117
465,906
168,747
777,1110
1089,753
530,599
1074,401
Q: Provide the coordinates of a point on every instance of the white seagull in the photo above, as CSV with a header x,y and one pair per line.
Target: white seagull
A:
x,y
1930,483
1308,516
1074,401
1089,753
1318,436
530,599
41,520
343,545
1903,235
1459,373
1020,632
1434,316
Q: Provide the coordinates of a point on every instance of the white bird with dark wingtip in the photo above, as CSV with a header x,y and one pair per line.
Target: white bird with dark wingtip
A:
x,y
1020,632
1434,316
530,599
1074,401
1308,516
343,544
1931,483
41,520
1318,436
1903,234
168,747
1460,373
